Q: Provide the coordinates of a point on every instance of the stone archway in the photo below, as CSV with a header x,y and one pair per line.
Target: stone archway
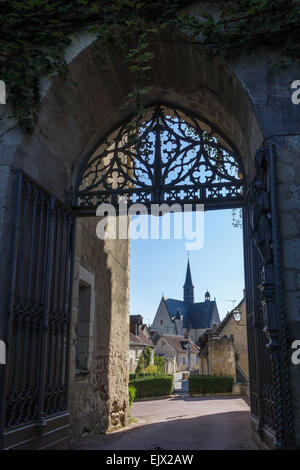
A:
x,y
77,114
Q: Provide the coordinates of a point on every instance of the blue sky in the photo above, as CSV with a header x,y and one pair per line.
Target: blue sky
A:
x,y
159,266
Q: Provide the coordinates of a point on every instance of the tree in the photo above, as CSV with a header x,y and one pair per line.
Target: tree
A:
x,y
144,360
147,353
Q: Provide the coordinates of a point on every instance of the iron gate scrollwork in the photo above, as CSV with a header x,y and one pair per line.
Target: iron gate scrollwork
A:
x,y
266,317
169,156
39,310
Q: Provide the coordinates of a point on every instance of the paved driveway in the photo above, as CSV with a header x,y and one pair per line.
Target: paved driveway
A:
x,y
183,422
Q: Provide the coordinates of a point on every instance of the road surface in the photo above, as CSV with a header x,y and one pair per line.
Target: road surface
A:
x,y
183,423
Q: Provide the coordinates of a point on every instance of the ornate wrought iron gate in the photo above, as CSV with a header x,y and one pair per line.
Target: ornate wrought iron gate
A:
x,y
38,320
169,156
186,162
266,317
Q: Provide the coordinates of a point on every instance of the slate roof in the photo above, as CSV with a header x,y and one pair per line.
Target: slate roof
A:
x,y
200,315
174,305
188,277
180,343
196,316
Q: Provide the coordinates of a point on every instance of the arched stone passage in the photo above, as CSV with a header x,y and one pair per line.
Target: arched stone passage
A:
x,y
76,114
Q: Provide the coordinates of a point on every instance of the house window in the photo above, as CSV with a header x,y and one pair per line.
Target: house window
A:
x,y
85,321
161,322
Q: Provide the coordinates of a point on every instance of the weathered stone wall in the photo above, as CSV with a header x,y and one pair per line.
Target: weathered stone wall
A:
x,y
135,352
221,356
170,366
99,398
203,366
239,332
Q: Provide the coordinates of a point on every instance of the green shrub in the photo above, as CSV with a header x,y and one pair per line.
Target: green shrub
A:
x,y
153,386
159,361
140,365
144,360
147,374
147,353
210,384
151,370
132,394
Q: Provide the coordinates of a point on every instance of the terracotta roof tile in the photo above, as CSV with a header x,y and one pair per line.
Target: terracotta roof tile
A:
x,y
180,343
142,340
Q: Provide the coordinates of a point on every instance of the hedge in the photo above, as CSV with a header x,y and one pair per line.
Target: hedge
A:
x,y
147,374
210,384
152,386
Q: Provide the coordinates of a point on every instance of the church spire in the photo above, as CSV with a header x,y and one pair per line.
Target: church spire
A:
x,y
188,288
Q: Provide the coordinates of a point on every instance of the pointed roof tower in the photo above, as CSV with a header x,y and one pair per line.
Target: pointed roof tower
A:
x,y
188,288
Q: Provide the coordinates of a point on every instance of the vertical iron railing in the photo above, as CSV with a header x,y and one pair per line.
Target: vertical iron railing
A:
x,y
39,308
266,316
260,367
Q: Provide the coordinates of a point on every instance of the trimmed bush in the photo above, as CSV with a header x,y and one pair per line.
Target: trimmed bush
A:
x,y
210,384
147,374
153,386
132,394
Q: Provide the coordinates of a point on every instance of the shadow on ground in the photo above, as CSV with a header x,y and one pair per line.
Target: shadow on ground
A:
x,y
214,431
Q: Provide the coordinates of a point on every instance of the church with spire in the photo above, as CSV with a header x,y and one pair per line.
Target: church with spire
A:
x,y
182,317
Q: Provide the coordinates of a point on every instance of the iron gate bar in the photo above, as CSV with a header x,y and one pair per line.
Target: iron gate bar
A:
x,y
269,371
37,303
9,304
46,308
287,419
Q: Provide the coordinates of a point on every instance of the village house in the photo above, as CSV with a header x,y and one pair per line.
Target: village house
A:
x,y
139,338
180,349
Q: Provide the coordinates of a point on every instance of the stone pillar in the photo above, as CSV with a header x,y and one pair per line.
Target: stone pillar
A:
x,y
99,398
221,355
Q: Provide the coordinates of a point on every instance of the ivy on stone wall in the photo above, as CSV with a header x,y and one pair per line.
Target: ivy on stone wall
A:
x,y
34,35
